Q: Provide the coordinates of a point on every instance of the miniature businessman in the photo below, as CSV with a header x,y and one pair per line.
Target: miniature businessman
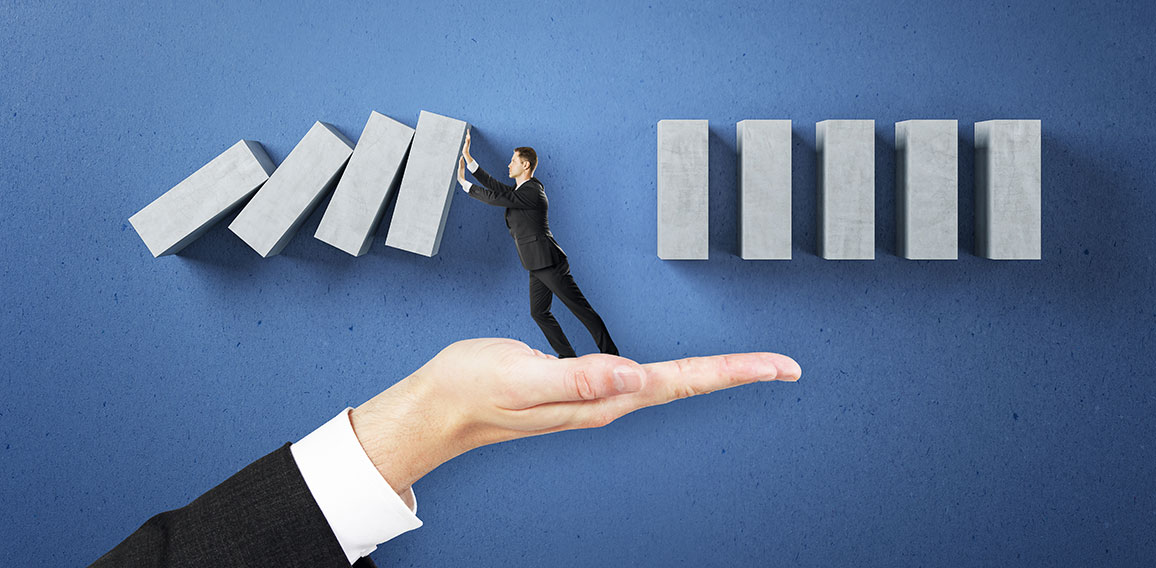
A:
x,y
526,205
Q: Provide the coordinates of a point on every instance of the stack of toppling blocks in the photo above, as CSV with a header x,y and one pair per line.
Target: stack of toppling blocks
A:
x,y
1007,189
418,165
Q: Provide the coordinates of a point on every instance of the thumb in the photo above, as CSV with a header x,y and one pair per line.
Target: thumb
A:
x,y
590,377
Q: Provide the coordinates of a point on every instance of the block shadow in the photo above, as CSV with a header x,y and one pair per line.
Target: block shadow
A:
x,y
722,194
966,191
885,217
804,214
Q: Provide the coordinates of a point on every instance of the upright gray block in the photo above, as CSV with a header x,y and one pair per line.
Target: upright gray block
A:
x,y
927,189
271,219
764,148
683,230
427,187
846,184
185,212
1007,189
366,186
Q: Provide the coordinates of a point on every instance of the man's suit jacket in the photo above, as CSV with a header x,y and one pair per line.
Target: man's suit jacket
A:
x,y
525,217
262,516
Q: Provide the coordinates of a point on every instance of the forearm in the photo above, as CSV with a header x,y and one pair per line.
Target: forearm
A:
x,y
489,182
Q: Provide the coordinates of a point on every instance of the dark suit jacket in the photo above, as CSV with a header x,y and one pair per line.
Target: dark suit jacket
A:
x,y
262,516
525,218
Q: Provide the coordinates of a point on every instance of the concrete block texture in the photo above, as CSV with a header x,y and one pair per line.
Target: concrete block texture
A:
x,y
927,189
275,213
1008,189
764,176
683,228
185,212
427,186
846,189
368,184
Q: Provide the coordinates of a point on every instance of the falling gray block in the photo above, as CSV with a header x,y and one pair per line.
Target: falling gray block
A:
x,y
427,187
275,213
846,188
1007,189
927,189
764,148
367,185
683,229
185,212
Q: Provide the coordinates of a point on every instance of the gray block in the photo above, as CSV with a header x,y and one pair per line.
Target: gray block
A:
x,y
185,212
764,148
846,188
1007,189
683,229
927,189
271,219
367,185
427,187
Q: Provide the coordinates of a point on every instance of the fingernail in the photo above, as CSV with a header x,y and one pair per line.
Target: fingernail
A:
x,y
627,380
789,371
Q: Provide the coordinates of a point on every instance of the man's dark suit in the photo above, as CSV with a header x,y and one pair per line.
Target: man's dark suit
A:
x,y
262,516
540,254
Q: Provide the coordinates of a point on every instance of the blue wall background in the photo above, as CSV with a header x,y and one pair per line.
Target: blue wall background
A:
x,y
969,413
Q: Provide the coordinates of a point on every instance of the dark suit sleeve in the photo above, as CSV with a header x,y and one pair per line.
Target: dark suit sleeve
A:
x,y
262,516
528,196
489,182
495,193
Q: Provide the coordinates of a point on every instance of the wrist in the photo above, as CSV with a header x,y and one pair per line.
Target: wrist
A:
x,y
404,433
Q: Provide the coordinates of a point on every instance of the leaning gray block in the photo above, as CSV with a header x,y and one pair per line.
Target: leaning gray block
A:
x,y
367,185
683,230
927,189
1007,189
764,148
185,212
271,219
846,189
427,187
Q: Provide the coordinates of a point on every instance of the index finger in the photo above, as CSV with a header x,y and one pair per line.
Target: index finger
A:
x,y
683,378
672,380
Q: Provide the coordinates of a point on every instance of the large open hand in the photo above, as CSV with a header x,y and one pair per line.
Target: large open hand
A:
x,y
483,391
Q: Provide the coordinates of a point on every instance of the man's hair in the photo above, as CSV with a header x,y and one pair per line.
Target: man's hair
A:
x,y
527,153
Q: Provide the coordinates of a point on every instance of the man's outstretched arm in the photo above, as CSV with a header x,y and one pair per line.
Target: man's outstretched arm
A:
x,y
262,516
494,192
484,391
473,393
528,196
487,181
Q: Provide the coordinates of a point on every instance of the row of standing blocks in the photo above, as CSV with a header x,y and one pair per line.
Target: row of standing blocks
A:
x,y
1007,189
419,167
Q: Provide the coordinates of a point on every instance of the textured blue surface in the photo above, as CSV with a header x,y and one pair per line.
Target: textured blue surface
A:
x,y
970,413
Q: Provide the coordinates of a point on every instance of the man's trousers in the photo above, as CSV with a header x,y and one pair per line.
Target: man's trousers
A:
x,y
545,283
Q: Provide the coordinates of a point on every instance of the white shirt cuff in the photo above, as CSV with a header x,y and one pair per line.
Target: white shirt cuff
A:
x,y
360,506
466,186
472,166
